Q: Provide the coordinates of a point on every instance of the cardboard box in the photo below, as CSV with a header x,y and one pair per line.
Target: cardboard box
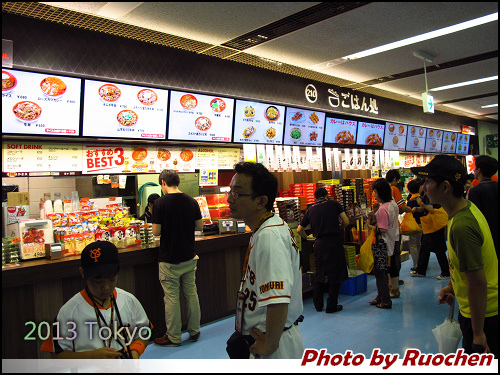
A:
x,y
18,199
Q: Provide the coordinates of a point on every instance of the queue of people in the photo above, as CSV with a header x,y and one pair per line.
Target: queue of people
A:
x,y
269,301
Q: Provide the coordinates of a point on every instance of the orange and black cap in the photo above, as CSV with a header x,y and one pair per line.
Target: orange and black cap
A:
x,y
445,167
100,258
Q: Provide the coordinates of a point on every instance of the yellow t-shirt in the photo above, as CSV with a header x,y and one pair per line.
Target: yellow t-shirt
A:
x,y
470,248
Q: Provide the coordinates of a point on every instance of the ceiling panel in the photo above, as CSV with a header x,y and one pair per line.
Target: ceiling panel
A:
x,y
365,27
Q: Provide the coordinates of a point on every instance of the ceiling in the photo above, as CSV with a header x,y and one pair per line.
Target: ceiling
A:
x,y
301,38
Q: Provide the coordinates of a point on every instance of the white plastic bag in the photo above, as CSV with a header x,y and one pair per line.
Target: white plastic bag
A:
x,y
448,333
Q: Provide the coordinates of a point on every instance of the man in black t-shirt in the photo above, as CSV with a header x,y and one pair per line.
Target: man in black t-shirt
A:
x,y
176,216
323,219
485,194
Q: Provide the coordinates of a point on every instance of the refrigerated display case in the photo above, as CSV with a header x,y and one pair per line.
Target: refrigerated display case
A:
x,y
218,206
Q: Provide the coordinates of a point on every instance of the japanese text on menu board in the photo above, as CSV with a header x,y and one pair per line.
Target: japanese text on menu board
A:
x,y
304,127
36,103
258,122
124,111
370,134
340,131
197,117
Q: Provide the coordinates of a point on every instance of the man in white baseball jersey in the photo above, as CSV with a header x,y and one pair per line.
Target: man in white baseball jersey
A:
x,y
271,287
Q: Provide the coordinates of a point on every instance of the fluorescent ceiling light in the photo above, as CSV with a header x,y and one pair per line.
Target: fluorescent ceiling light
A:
x,y
489,106
117,10
467,83
415,39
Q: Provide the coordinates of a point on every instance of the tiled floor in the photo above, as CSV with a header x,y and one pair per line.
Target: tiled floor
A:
x,y
360,327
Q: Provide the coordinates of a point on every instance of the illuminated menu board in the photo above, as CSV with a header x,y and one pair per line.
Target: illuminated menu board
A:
x,y
124,111
340,131
415,139
304,127
463,143
395,136
449,145
434,140
197,117
258,122
370,134
39,103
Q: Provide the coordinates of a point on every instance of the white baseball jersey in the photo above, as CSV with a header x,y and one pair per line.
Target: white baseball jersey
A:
x,y
79,310
273,276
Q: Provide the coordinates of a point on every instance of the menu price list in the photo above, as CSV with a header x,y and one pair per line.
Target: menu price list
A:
x,y
41,157
415,140
38,103
304,127
124,111
434,140
258,123
395,137
463,144
449,145
197,117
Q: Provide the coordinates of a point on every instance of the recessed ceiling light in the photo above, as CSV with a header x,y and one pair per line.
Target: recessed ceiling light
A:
x,y
117,10
467,83
489,106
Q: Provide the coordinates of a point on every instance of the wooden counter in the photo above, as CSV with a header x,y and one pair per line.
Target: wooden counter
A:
x,y
36,290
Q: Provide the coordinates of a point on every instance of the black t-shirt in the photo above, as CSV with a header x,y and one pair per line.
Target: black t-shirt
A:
x,y
485,197
324,218
177,214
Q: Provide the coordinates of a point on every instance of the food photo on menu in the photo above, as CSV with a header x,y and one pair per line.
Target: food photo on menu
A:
x,y
434,140
258,122
198,117
304,127
463,144
370,134
449,145
39,103
340,131
124,111
395,137
415,139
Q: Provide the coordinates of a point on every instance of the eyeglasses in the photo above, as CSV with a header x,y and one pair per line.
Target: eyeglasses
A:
x,y
236,195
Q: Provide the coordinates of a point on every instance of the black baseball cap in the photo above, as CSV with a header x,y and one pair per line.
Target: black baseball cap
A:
x,y
444,166
100,258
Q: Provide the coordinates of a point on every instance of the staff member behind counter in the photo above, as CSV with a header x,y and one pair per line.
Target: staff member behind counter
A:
x,y
148,212
323,219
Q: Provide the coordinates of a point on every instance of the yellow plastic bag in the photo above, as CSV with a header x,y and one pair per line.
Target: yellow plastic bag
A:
x,y
409,225
366,254
432,222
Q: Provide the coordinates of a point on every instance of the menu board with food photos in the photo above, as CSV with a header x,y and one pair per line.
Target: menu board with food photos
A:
x,y
304,127
463,143
258,122
197,117
449,145
415,139
118,110
340,131
395,136
39,103
434,140
370,134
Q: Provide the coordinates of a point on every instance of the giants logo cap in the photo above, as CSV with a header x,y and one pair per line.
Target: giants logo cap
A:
x,y
100,258
444,166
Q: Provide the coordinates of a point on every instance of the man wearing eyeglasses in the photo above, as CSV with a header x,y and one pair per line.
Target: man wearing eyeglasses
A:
x,y
176,216
270,293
